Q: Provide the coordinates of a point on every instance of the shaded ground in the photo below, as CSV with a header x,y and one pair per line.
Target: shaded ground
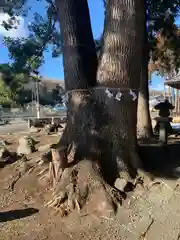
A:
x,y
162,161
152,214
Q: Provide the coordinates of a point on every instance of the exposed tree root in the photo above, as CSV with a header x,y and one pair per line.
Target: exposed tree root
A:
x,y
57,161
144,178
105,149
24,168
82,184
14,181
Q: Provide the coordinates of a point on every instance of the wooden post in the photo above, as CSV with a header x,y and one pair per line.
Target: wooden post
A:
x,y
169,93
52,120
29,123
173,96
176,105
164,91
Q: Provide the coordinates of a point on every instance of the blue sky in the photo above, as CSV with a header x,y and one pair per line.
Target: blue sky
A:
x,y
53,67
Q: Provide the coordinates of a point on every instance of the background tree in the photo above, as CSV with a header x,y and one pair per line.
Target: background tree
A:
x,y
144,126
57,94
161,16
6,98
11,83
27,53
165,57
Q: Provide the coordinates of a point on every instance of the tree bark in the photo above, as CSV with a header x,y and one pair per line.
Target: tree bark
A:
x,y
120,67
100,127
144,125
79,55
79,59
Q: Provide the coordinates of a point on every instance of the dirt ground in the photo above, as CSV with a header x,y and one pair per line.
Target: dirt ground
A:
x,y
152,214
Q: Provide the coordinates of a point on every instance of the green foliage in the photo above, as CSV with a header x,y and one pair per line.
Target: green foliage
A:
x,y
23,52
10,84
14,8
27,53
57,94
6,95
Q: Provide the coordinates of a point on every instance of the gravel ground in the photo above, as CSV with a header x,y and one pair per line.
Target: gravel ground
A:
x,y
150,215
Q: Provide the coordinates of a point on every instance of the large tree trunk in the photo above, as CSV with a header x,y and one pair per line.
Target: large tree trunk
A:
x,y
144,126
120,69
99,126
